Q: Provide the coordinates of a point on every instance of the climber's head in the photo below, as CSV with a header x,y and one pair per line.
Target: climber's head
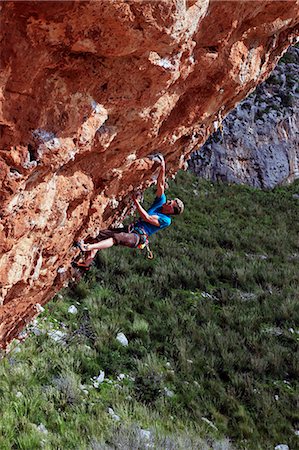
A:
x,y
173,207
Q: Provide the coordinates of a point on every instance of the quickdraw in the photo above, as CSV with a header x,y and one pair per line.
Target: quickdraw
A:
x,y
220,120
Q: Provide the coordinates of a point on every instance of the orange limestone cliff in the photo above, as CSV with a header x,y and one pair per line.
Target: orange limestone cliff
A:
x,y
88,89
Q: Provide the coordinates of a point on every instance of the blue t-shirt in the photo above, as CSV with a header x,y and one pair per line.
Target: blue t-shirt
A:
x,y
154,210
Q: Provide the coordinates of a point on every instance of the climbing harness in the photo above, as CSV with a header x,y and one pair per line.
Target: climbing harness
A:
x,y
143,239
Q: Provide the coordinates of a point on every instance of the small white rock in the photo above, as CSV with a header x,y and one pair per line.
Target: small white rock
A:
x,y
113,415
121,338
19,394
39,308
101,376
84,389
42,429
282,447
72,309
121,377
276,397
145,434
99,379
168,392
296,432
37,332
23,335
56,335
131,157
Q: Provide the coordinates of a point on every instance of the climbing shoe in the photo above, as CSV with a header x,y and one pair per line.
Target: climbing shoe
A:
x,y
81,246
81,266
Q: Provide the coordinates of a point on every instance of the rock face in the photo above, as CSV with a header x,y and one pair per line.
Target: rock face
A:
x,y
259,145
88,89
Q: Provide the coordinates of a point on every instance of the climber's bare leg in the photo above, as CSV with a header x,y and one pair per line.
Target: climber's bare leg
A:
x,y
106,243
102,245
119,238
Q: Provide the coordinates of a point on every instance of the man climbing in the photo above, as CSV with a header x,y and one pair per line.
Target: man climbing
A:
x,y
137,234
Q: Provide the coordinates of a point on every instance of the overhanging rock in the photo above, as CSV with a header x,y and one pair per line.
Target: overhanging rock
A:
x,y
88,89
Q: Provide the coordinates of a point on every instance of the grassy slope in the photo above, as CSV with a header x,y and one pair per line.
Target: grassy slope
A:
x,y
230,356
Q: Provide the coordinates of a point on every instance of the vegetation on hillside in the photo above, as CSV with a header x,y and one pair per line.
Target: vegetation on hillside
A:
x,y
212,325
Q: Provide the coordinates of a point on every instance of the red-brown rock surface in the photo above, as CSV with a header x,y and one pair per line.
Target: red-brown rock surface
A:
x,y
88,89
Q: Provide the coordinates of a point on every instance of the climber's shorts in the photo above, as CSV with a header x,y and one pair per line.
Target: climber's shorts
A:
x,y
120,236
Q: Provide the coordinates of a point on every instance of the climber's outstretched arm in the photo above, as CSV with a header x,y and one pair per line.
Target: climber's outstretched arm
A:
x,y
144,215
161,180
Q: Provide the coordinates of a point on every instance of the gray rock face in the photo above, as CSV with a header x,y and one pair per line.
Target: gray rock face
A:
x,y
259,145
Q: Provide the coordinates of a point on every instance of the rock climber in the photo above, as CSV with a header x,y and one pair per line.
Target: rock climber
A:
x,y
137,234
